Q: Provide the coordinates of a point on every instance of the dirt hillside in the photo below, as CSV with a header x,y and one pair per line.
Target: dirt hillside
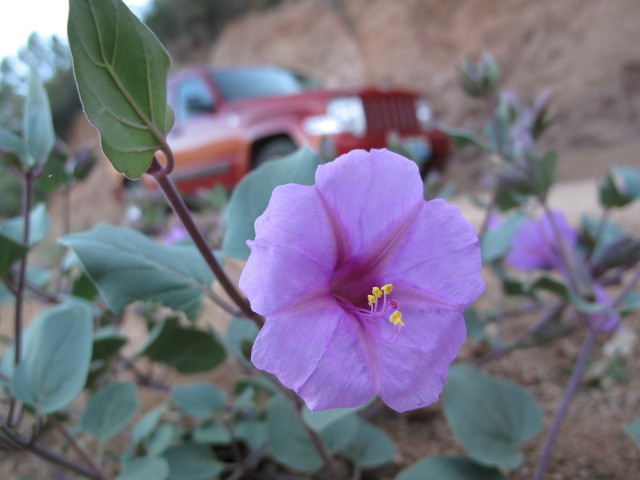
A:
x,y
582,49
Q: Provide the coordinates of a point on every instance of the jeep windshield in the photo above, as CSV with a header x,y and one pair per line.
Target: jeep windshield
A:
x,y
254,82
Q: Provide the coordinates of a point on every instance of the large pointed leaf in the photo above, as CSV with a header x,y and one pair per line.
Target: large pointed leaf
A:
x,y
490,417
251,197
121,70
55,362
127,266
39,136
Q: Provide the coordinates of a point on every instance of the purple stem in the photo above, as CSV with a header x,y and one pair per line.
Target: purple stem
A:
x,y
576,375
181,210
27,186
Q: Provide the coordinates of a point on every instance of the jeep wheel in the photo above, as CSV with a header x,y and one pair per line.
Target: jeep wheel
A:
x,y
273,150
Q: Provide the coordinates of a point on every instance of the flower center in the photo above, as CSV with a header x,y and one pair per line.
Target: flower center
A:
x,y
381,305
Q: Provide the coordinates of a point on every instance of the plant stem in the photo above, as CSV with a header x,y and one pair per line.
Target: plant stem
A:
x,y
313,436
27,185
51,457
598,234
74,444
181,210
544,319
574,380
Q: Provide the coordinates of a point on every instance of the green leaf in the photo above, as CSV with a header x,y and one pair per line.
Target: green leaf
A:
x,y
371,447
160,439
490,417
83,287
55,363
337,435
627,180
121,70
496,242
449,468
145,468
106,344
609,194
186,349
321,420
110,409
287,439
192,461
38,133
544,172
147,424
10,251
253,432
462,138
475,329
38,226
240,335
251,197
198,399
633,430
127,266
551,285
631,302
212,432
12,150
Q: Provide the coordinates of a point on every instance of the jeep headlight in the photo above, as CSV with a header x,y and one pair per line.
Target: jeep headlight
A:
x,y
424,114
344,114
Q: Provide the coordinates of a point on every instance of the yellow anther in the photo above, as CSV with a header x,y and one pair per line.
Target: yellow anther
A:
x,y
377,292
396,319
371,299
387,288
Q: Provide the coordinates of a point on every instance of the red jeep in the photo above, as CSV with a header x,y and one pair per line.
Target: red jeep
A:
x,y
229,120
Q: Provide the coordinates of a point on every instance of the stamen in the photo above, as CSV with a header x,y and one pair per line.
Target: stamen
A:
x,y
396,319
371,299
387,288
377,292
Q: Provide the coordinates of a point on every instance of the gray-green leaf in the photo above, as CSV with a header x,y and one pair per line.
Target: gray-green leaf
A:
x,y
39,136
489,416
110,409
192,461
127,266
55,363
198,399
251,197
121,69
449,468
145,468
370,447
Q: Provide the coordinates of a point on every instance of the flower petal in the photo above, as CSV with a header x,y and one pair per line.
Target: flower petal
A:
x,y
294,253
437,259
411,374
368,195
312,349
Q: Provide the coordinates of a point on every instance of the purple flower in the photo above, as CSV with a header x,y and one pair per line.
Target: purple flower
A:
x,y
175,234
362,284
535,245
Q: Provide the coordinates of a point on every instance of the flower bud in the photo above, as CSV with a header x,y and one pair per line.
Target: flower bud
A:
x,y
479,79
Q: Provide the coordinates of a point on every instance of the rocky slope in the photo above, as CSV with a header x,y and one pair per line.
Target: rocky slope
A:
x,y
582,49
